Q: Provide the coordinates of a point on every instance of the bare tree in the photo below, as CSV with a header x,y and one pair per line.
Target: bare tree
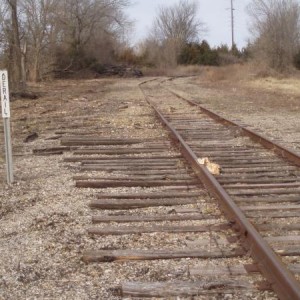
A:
x,y
4,29
18,76
178,22
276,29
39,24
38,37
173,27
91,25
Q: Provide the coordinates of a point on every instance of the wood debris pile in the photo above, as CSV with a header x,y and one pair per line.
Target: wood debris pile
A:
x,y
121,71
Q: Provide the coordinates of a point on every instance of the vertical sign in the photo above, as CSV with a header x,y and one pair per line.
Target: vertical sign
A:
x,y
4,92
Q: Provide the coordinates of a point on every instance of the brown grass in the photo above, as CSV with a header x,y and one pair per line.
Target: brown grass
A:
x,y
234,72
254,76
288,86
210,73
178,71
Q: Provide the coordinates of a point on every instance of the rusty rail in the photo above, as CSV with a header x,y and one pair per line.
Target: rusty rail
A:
x,y
264,141
280,278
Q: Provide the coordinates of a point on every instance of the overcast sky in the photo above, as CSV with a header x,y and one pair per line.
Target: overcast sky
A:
x,y
214,13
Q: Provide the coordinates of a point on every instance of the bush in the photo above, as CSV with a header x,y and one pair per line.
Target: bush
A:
x,y
129,57
228,59
297,60
98,68
200,54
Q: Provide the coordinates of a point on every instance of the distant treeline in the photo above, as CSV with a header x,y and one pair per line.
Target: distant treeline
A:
x,y
191,54
41,39
203,54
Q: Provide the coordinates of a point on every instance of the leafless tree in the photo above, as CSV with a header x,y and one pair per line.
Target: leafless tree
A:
x,y
276,29
178,22
173,27
163,54
4,28
39,25
39,36
91,25
15,61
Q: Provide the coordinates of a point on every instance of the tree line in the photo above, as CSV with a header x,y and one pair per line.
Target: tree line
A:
x,y
39,37
43,38
175,37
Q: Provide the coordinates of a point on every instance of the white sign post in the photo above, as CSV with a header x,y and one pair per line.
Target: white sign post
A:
x,y
4,92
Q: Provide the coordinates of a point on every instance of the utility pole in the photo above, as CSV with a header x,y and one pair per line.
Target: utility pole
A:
x,y
232,25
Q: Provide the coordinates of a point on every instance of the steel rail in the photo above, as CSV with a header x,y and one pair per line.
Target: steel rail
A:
x,y
264,141
280,278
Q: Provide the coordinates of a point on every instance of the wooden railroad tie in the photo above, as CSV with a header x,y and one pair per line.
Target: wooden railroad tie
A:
x,y
128,255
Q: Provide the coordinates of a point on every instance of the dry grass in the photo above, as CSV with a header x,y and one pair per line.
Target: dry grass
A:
x,y
177,71
234,72
289,86
252,76
213,74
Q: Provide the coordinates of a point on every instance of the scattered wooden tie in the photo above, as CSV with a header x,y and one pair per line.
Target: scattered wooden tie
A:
x,y
150,218
183,289
114,230
139,203
128,255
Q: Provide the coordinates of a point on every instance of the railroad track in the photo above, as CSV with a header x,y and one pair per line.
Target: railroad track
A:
x,y
252,177
155,189
228,107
